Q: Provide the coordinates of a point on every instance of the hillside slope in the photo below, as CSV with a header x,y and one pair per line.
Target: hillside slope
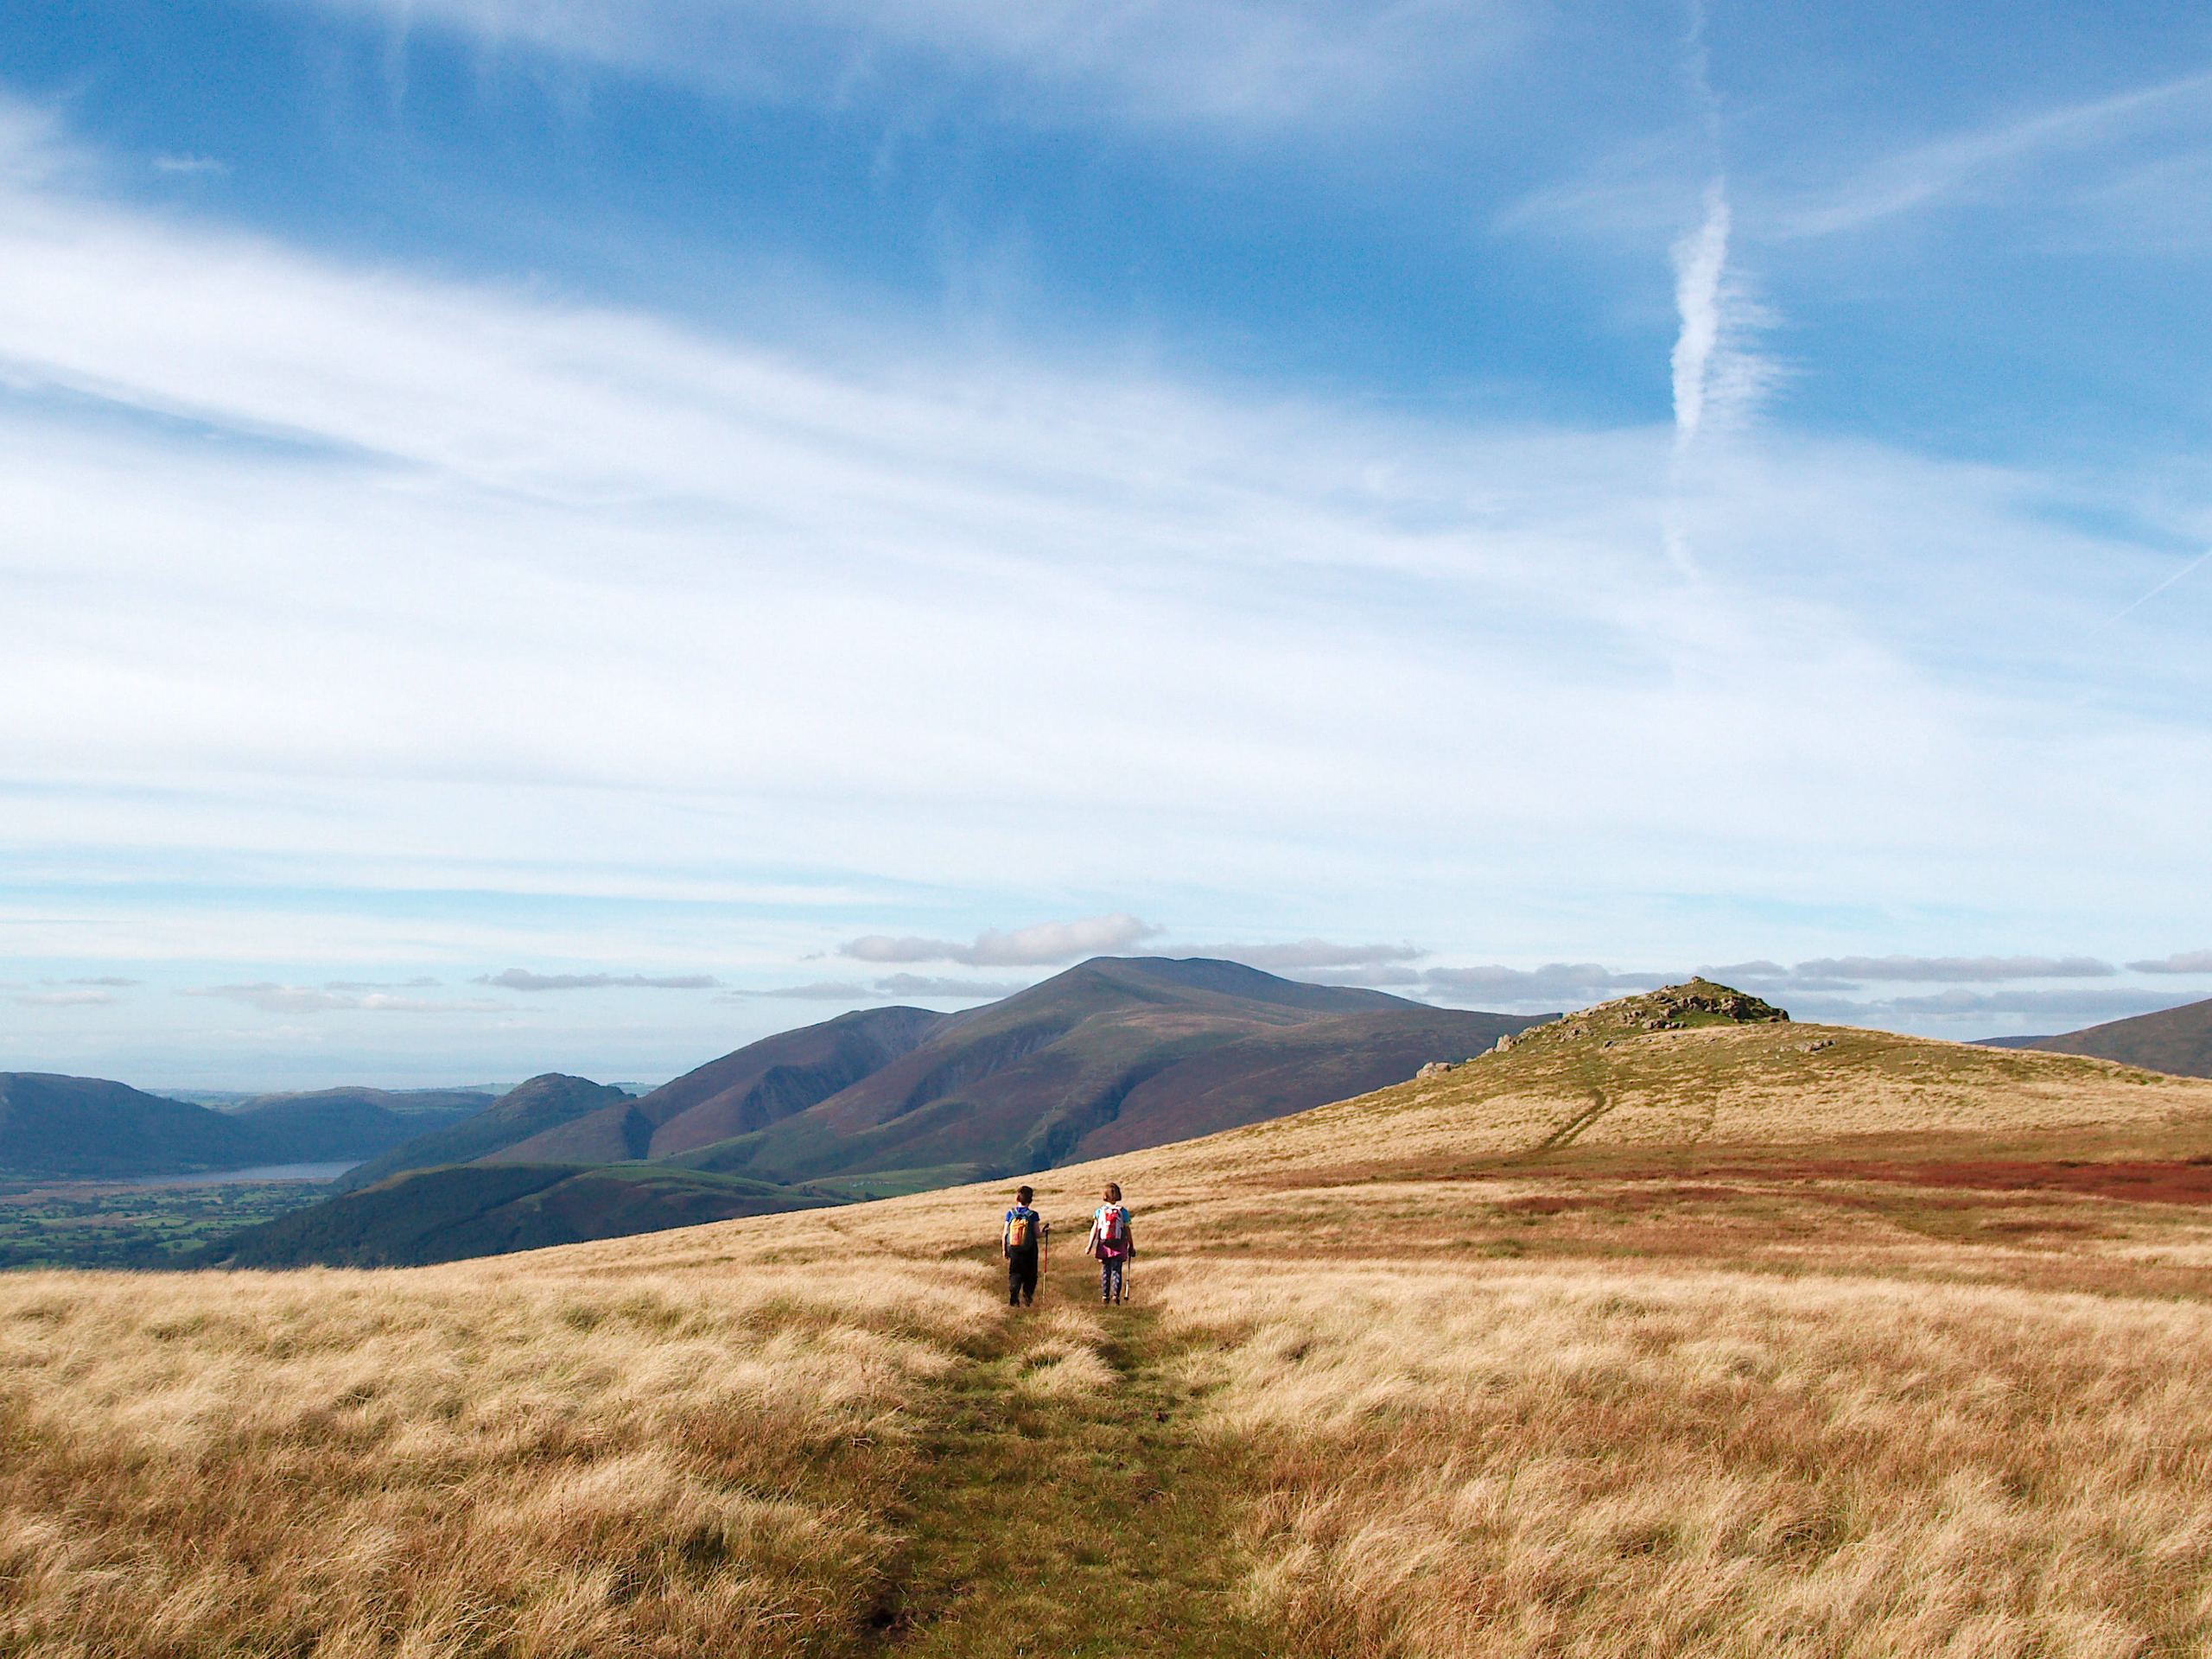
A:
x,y
56,1126
2174,1040
1116,1052
759,1084
1661,1331
330,1124
529,1108
1635,1085
424,1216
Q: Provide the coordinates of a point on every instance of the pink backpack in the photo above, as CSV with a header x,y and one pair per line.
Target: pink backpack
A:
x,y
1112,1229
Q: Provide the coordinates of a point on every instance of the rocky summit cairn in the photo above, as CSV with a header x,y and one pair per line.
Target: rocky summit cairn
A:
x,y
1674,1007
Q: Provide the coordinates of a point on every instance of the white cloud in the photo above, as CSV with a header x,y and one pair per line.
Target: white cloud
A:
x,y
1701,267
64,999
522,979
814,991
1947,168
1955,968
892,986
453,588
1374,979
937,989
2078,1007
1718,378
1296,955
190,165
270,997
2182,962
1041,585
1760,967
1205,63
1040,944
1554,982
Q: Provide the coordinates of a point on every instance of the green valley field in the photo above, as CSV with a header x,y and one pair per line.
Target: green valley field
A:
x,y
136,1224
1666,1330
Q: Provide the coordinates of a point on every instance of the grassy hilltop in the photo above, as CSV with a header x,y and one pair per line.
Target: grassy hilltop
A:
x,y
1669,1329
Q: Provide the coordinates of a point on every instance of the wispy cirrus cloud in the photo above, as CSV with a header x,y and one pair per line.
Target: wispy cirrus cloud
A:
x,y
956,537
270,997
1946,169
1534,550
1204,63
1040,944
522,979
64,999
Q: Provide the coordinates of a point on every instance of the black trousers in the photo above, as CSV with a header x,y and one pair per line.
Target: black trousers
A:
x,y
1021,1277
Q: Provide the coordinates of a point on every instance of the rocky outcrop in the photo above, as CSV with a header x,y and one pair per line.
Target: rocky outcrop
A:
x,y
1676,1008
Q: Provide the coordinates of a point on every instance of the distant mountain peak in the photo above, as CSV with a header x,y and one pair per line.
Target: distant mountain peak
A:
x,y
1212,977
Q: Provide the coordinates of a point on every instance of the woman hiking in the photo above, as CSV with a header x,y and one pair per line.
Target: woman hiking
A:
x,y
1112,1243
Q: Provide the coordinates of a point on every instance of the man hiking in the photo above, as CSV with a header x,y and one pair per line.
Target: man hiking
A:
x,y
1021,1239
1112,1242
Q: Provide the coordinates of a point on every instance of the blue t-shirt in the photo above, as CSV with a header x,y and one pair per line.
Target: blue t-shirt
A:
x,y
1035,1226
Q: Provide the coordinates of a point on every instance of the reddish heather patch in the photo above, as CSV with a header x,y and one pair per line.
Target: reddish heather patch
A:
x,y
2142,1180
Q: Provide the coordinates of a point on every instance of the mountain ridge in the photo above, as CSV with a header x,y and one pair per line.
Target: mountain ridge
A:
x,y
2176,1041
531,1107
1024,1082
742,1091
56,1126
1113,1053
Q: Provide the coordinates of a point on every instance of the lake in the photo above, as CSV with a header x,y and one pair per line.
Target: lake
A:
x,y
225,1177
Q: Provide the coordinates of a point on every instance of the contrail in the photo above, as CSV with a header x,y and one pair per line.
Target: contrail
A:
x,y
1701,264
1700,272
2130,610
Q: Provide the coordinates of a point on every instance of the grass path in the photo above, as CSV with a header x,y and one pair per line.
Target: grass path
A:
x,y
1091,1521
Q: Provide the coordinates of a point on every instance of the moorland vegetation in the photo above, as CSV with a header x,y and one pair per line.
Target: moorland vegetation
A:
x,y
1652,1337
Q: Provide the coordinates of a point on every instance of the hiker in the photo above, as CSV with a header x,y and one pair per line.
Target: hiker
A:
x,y
1022,1242
1113,1244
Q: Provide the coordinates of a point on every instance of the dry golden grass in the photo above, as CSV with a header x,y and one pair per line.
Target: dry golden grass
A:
x,y
1705,1091
496,1458
1716,1086
1686,1345
1620,1460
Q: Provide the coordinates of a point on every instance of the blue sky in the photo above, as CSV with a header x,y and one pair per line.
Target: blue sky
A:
x,y
554,534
